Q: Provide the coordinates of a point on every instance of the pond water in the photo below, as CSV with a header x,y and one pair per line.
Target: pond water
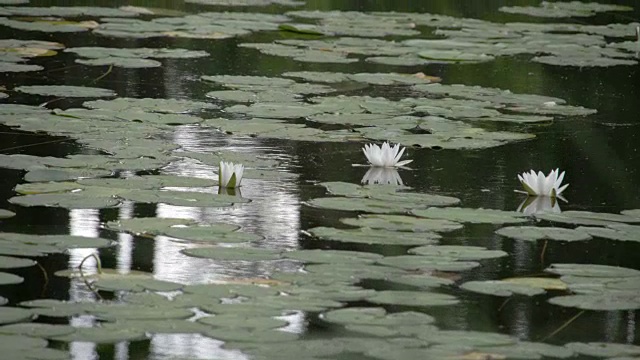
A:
x,y
169,288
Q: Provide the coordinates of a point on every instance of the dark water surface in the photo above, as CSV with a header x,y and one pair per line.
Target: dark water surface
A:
x,y
600,154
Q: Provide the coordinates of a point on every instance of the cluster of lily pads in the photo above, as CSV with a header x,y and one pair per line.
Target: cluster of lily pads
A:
x,y
250,314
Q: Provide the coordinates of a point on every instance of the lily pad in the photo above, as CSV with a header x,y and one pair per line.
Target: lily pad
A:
x,y
564,9
375,316
458,252
476,216
217,233
233,321
62,174
168,106
233,253
602,302
534,233
65,200
370,236
8,262
10,315
402,223
102,335
332,256
603,349
65,91
39,330
427,263
127,63
8,279
592,270
149,226
412,298
5,214
614,231
501,288
181,198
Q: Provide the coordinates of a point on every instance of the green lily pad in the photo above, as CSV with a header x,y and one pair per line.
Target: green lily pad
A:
x,y
602,302
374,236
234,321
102,335
614,231
592,270
421,281
13,67
233,253
39,330
65,91
16,343
127,63
564,9
65,200
586,218
8,262
426,263
220,291
526,349
603,349
8,279
412,298
251,335
5,214
318,256
501,288
458,252
534,233
375,316
217,233
113,280
402,223
181,198
10,315
476,216
60,174
149,226
167,106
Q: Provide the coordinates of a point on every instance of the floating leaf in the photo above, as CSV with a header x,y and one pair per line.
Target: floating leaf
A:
x,y
169,106
402,223
591,270
614,231
412,298
233,253
8,262
607,302
5,214
366,235
375,316
458,252
534,233
7,279
10,315
603,349
65,91
234,321
477,216
39,330
65,200
149,226
426,263
501,288
332,256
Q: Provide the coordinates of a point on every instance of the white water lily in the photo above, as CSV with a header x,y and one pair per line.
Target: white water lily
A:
x,y
230,174
540,185
383,176
385,156
539,204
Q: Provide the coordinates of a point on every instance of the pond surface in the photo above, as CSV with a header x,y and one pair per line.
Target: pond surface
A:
x,y
276,273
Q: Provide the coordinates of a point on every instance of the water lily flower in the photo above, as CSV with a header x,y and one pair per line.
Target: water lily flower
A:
x,y
539,204
385,156
540,185
384,176
230,174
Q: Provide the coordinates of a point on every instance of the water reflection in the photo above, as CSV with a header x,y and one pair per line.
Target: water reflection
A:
x,y
384,176
191,346
537,204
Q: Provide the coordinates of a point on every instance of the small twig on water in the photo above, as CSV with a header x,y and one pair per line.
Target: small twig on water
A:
x,y
562,327
544,249
504,303
46,278
103,75
86,282
37,144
